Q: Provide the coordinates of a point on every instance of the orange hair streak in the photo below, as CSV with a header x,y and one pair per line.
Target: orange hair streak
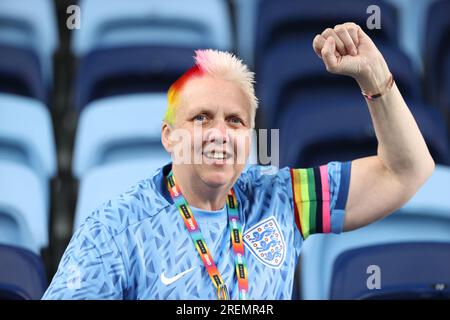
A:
x,y
173,93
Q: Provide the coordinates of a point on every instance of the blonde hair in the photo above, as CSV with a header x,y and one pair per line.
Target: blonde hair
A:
x,y
220,64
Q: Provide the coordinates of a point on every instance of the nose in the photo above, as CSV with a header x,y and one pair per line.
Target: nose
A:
x,y
218,133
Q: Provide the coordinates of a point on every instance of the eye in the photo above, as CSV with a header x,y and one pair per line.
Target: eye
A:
x,y
236,120
200,118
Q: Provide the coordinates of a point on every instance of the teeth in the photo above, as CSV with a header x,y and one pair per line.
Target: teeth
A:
x,y
216,155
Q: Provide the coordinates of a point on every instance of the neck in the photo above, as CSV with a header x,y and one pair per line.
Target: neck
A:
x,y
197,193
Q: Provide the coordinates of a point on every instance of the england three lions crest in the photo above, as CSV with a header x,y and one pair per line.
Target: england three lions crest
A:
x,y
266,242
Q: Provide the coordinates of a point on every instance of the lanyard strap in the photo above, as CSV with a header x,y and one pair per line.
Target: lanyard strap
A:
x,y
202,248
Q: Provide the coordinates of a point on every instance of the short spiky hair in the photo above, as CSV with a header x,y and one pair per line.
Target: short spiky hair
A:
x,y
220,64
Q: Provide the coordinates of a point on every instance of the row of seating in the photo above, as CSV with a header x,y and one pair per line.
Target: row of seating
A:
x,y
411,248
27,164
28,41
30,26
195,24
204,24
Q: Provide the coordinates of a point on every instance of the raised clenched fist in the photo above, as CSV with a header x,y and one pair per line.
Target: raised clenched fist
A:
x,y
346,49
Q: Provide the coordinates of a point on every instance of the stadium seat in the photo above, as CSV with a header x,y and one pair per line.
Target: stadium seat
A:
x,y
119,128
425,218
26,137
330,128
193,24
412,28
338,127
444,91
410,270
108,181
23,212
293,69
30,25
294,21
22,274
435,48
246,16
26,130
20,73
108,72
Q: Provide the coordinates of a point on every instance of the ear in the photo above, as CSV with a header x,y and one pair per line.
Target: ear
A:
x,y
166,131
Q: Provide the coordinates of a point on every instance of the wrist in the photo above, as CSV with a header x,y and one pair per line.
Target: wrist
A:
x,y
374,77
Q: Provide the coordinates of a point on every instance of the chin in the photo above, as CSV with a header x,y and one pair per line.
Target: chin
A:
x,y
216,176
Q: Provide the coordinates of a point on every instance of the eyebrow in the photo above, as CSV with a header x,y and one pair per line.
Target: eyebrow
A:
x,y
195,111
207,110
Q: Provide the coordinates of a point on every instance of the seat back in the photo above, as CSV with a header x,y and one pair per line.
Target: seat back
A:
x,y
22,274
31,25
411,270
110,72
26,134
109,181
20,73
197,23
338,127
23,211
294,21
119,128
435,46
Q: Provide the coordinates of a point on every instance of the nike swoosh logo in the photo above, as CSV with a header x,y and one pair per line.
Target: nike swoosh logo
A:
x,y
171,280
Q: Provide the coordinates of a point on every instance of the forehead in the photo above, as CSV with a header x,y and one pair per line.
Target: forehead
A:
x,y
210,92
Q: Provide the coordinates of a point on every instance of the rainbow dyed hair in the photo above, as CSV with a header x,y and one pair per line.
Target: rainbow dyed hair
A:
x,y
220,64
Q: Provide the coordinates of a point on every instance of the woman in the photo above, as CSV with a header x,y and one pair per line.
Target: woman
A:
x,y
201,228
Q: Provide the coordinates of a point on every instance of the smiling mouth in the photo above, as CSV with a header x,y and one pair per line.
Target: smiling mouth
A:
x,y
217,155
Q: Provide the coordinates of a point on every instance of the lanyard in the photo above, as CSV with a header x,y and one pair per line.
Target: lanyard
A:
x,y
202,248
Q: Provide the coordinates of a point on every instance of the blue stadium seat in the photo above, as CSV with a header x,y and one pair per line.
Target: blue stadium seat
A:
x,y
20,73
293,69
444,91
294,21
119,128
125,70
26,136
412,28
339,127
193,24
425,218
30,25
22,274
330,128
108,181
435,50
410,270
246,16
23,212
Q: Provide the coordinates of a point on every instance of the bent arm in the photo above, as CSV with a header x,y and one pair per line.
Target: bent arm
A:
x,y
381,184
